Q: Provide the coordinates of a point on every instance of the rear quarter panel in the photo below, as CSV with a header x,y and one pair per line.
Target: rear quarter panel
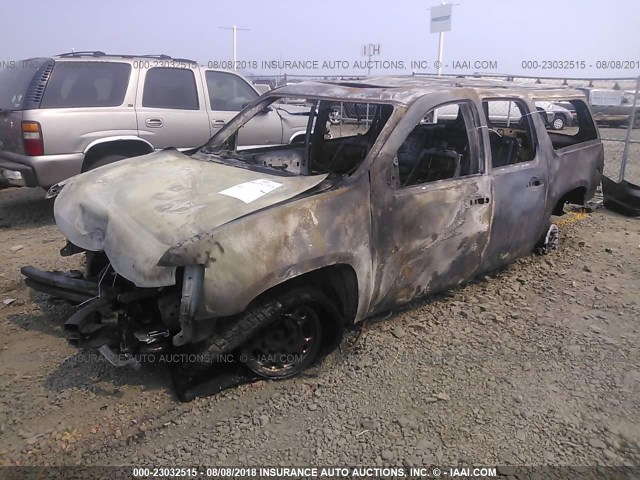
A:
x,y
579,165
70,130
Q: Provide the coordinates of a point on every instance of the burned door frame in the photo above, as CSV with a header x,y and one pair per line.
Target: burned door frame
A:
x,y
520,194
566,182
411,255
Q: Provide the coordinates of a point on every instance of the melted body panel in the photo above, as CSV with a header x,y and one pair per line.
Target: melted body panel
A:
x,y
136,210
435,237
269,247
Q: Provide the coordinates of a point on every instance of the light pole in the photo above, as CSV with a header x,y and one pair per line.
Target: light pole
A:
x,y
369,50
235,42
440,50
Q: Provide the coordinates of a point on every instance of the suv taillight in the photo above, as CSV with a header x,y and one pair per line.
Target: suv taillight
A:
x,y
32,138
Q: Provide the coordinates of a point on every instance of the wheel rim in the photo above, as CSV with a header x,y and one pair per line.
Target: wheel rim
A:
x,y
551,239
287,346
558,123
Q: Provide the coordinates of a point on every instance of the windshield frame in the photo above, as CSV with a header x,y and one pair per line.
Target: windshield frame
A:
x,y
222,148
234,125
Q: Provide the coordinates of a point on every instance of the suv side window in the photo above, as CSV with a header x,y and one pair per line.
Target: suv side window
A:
x,y
510,132
86,84
170,88
578,124
228,92
443,145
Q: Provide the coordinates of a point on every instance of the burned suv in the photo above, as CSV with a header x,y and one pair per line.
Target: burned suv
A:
x,y
270,252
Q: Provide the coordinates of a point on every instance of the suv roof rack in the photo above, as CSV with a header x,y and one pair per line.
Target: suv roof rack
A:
x,y
83,53
97,53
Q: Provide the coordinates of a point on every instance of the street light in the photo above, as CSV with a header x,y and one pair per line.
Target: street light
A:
x,y
235,42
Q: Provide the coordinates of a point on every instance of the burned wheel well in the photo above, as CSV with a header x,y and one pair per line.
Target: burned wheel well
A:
x,y
338,283
575,196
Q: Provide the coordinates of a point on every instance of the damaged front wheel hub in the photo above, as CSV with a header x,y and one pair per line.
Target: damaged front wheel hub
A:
x,y
288,346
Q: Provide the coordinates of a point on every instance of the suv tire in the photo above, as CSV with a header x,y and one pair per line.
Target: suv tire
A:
x,y
295,334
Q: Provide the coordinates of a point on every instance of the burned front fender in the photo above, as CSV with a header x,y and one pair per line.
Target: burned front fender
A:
x,y
250,255
135,216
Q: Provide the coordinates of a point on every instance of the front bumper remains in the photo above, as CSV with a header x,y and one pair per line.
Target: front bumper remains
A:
x,y
85,328
68,285
98,324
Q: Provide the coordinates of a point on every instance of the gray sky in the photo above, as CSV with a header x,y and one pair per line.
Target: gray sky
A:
x,y
507,32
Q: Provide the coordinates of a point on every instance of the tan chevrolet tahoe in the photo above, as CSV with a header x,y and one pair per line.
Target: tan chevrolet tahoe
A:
x,y
74,112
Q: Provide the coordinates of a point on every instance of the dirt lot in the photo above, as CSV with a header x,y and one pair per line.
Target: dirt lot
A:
x,y
537,364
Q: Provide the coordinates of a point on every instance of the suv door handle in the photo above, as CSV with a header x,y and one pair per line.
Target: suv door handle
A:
x,y
217,123
534,182
153,122
477,201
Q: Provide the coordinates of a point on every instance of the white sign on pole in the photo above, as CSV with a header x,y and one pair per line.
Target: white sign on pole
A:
x,y
441,18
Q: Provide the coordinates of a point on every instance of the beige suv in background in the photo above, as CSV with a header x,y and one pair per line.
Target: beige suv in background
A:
x,y
71,113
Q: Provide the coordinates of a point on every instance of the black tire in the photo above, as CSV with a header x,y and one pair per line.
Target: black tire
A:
x,y
294,340
558,123
99,162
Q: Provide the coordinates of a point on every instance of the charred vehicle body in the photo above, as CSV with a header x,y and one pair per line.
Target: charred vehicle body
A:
x,y
271,251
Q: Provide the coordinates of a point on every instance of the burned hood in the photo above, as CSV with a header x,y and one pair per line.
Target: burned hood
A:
x,y
135,210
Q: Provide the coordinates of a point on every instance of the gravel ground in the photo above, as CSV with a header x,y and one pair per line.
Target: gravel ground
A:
x,y
536,364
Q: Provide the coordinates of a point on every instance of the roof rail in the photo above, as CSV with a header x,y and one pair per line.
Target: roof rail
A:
x,y
184,60
160,56
91,53
94,53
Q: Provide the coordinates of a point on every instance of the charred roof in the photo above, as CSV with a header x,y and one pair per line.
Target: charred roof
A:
x,y
406,89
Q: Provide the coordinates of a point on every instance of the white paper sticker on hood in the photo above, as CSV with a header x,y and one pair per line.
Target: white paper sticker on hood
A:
x,y
250,191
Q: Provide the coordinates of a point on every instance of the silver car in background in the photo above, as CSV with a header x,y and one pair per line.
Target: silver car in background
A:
x,y
506,113
71,113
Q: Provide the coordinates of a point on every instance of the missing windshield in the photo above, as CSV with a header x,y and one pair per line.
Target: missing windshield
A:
x,y
296,136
